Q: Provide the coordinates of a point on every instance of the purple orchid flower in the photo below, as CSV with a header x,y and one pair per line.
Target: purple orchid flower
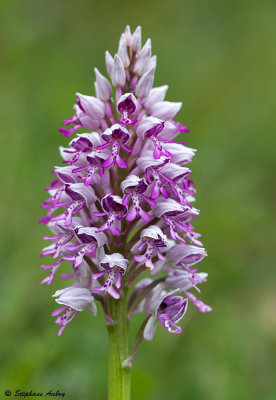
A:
x,y
74,300
115,265
127,105
151,167
134,187
151,128
187,278
77,197
116,136
153,238
169,310
83,144
177,218
90,112
63,235
89,240
92,165
184,280
116,210
172,174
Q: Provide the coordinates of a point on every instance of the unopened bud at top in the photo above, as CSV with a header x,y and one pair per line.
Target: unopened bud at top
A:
x,y
92,106
102,86
118,75
143,58
122,53
126,36
109,61
145,84
135,43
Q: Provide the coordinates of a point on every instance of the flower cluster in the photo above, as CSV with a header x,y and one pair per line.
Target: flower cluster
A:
x,y
120,208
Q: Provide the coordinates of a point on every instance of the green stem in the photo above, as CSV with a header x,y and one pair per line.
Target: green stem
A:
x,y
119,376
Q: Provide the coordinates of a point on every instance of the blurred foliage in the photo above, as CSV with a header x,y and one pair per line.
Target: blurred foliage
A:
x,y
218,58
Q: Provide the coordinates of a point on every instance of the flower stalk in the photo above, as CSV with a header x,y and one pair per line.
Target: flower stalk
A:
x,y
119,375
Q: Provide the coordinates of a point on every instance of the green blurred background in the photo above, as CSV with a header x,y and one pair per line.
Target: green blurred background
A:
x,y
218,58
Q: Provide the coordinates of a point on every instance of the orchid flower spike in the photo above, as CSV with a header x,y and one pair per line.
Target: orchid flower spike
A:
x,y
120,205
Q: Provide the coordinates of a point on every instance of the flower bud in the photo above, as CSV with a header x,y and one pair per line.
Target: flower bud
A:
x,y
187,255
122,53
102,86
155,95
165,109
126,36
152,63
109,61
118,75
143,58
92,106
145,84
135,43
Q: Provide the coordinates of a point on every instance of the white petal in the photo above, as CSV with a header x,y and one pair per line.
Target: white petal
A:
x,y
150,328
